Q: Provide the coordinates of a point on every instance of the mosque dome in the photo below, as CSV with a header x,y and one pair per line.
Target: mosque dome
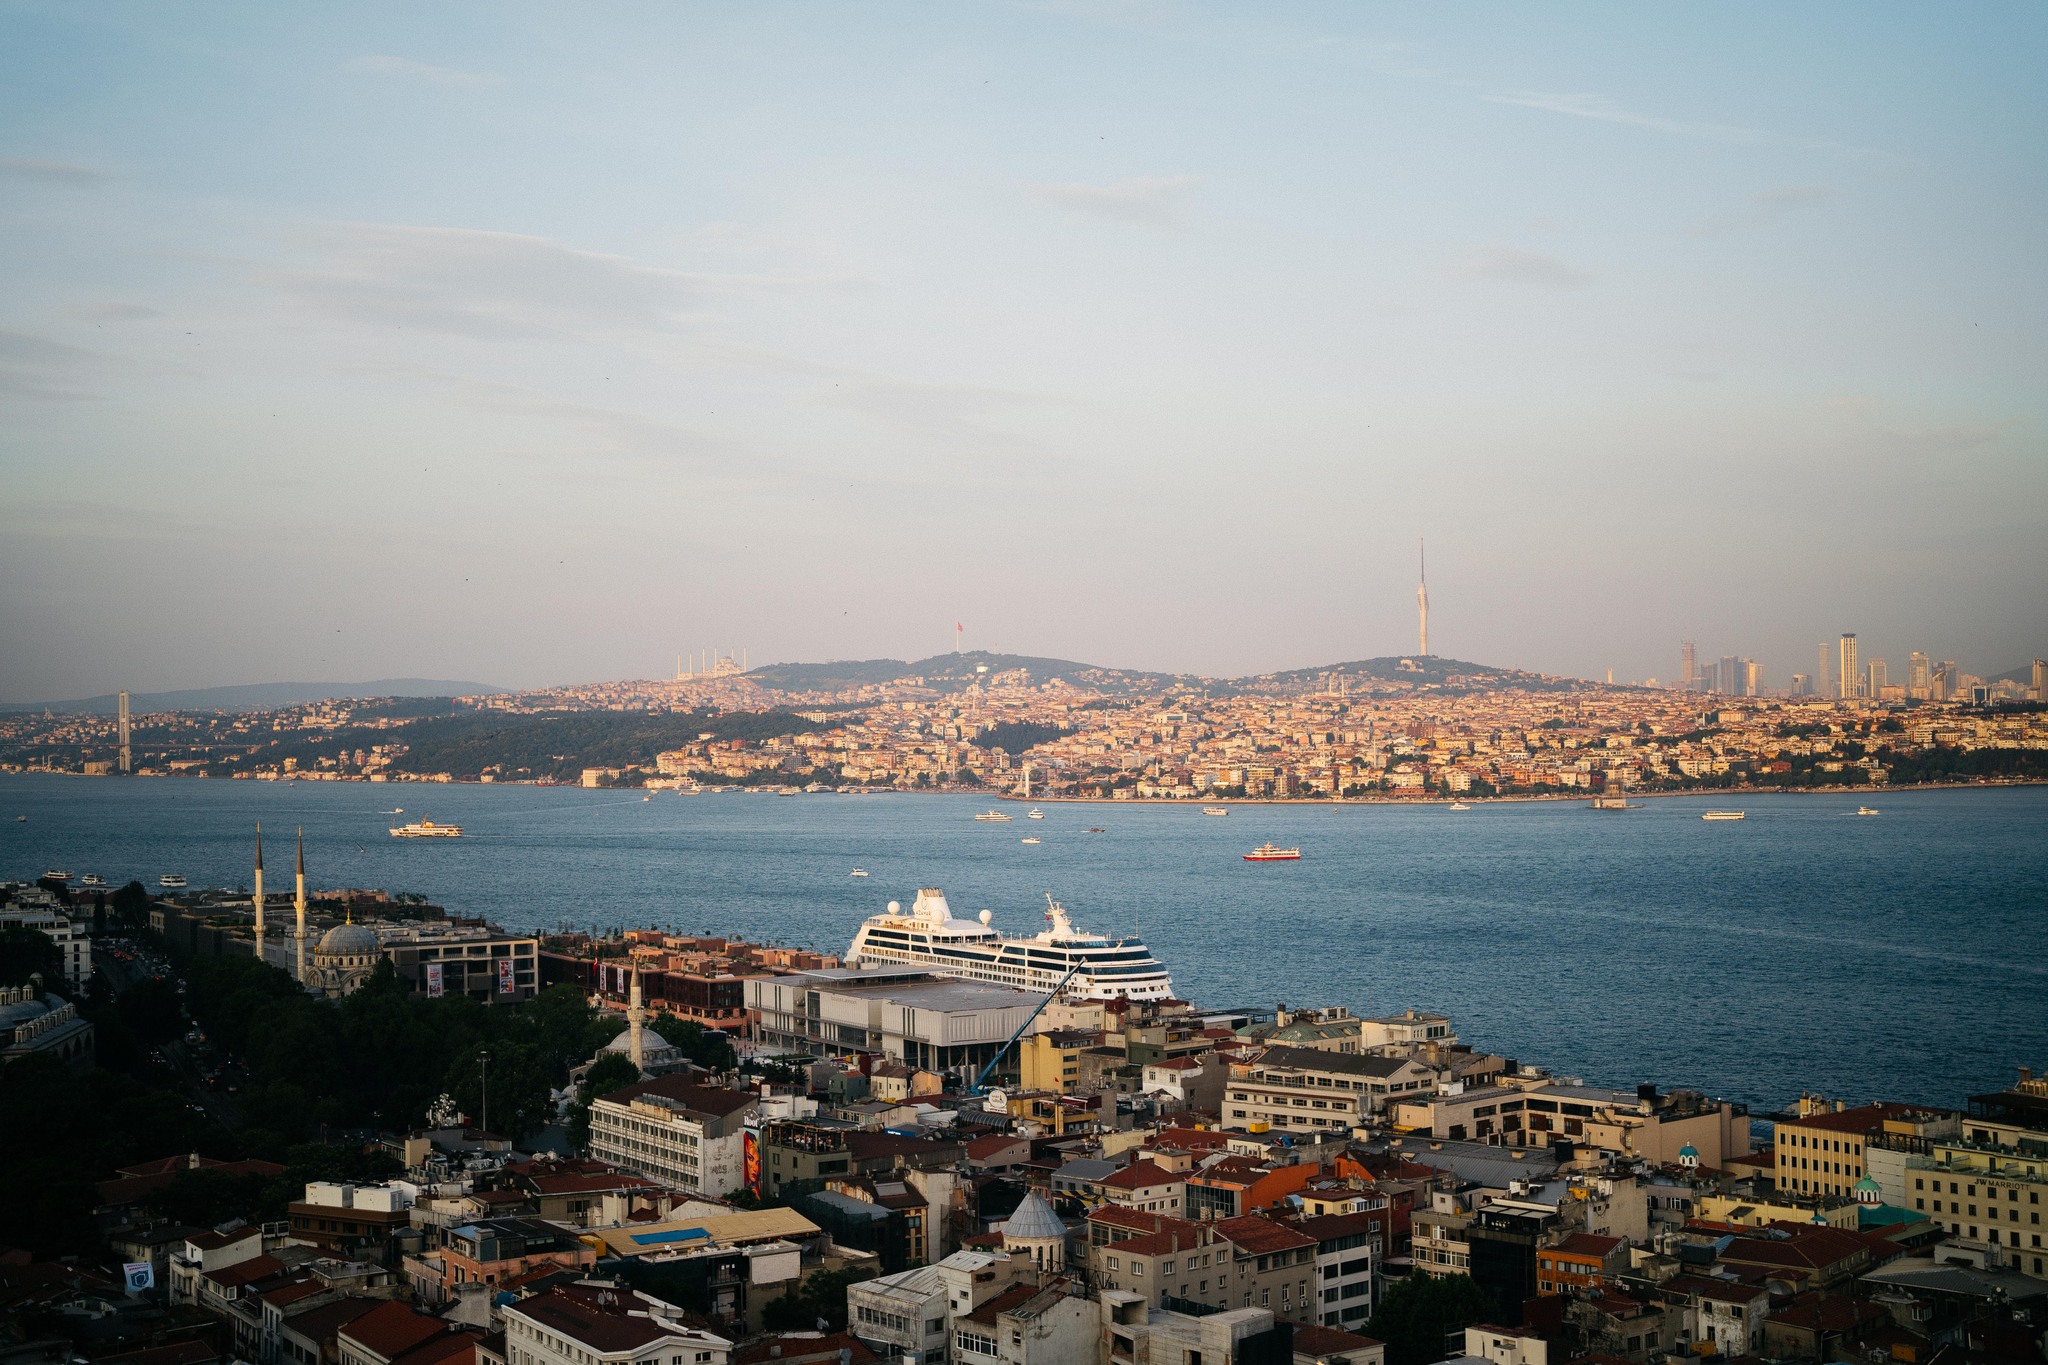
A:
x,y
651,1042
349,940
1033,1219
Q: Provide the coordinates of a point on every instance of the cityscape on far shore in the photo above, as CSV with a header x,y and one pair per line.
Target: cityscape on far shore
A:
x,y
1395,728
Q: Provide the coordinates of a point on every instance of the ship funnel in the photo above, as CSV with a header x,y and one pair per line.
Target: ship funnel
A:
x,y
931,905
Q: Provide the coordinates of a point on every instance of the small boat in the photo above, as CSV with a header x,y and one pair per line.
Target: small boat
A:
x,y
858,872
1097,829
1272,853
1459,805
647,798
56,874
426,829
92,879
1722,815
23,819
1029,839
993,817
171,881
1865,810
1034,814
396,810
1215,810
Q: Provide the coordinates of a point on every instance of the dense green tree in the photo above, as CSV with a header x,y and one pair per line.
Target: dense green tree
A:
x,y
152,1010
510,1095
131,907
1418,1314
27,951
820,1297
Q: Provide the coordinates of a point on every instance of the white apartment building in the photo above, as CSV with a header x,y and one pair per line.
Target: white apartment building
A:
x,y
589,1324
687,1136
72,942
1299,1087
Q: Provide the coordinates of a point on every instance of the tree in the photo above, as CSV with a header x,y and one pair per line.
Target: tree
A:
x,y
820,1297
152,1009
613,1071
26,951
520,1087
131,907
1417,1316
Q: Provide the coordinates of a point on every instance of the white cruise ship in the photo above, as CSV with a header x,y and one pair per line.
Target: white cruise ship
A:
x,y
929,936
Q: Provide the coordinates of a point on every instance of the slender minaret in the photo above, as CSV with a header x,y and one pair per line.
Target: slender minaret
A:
x,y
126,752
1422,593
299,910
257,899
636,1022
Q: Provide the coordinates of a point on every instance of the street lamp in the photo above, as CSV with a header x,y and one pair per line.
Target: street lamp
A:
x,y
483,1063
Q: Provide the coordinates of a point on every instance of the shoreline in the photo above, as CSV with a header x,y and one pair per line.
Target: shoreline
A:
x,y
1584,798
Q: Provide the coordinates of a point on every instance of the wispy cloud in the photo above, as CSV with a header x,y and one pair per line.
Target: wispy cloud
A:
x,y
474,283
1604,110
47,371
495,284
1154,200
50,172
1527,267
404,68
1766,206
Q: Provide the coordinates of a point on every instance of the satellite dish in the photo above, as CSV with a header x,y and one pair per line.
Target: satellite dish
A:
x,y
987,915
895,907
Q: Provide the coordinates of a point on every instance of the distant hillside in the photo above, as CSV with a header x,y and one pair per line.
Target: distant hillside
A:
x,y
258,696
1413,669
950,671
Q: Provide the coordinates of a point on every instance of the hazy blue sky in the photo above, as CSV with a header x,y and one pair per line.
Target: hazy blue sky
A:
x,y
533,343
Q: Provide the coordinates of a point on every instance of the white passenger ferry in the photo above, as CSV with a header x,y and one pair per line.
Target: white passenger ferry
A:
x,y
929,936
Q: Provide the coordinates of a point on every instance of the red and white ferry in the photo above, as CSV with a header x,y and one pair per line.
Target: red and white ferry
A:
x,y
1273,853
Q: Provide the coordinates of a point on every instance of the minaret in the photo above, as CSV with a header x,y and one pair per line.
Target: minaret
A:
x,y
257,899
299,908
1422,594
636,1022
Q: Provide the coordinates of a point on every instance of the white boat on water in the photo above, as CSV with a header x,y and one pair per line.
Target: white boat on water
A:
x,y
92,879
1866,810
928,936
1215,810
426,829
993,817
1034,814
1722,815
1029,839
1459,805
56,874
171,881
858,872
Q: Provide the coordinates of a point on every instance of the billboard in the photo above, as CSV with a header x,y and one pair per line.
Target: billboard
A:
x,y
507,983
750,1160
434,980
139,1276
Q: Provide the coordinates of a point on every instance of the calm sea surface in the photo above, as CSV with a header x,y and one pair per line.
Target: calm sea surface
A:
x,y
1897,957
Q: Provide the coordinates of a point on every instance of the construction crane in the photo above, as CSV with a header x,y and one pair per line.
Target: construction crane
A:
x,y
1003,1051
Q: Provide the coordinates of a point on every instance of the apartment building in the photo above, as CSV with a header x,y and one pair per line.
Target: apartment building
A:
x,y
74,945
1299,1087
599,1325
1346,1259
1823,1152
670,1129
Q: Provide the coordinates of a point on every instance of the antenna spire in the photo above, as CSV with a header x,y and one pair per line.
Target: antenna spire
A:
x,y
1422,591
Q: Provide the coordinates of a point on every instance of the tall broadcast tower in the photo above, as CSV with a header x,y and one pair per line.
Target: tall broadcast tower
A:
x,y
1422,593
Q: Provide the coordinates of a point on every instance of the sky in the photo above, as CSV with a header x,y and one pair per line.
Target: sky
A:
x,y
531,343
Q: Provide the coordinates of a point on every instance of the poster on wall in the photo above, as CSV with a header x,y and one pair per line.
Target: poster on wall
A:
x,y
750,1161
434,980
506,981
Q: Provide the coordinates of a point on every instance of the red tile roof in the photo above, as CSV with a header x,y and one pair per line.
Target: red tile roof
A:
x,y
1257,1236
1588,1244
1141,1175
1868,1118
1311,1339
391,1329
